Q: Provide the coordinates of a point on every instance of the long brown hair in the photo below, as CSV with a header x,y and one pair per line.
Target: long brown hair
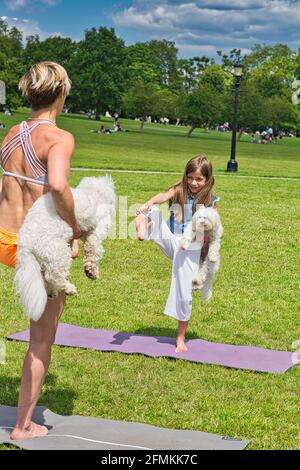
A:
x,y
205,194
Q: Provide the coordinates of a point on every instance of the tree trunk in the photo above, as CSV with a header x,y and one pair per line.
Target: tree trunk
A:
x,y
191,130
142,123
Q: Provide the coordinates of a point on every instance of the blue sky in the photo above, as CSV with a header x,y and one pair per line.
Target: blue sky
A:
x,y
197,26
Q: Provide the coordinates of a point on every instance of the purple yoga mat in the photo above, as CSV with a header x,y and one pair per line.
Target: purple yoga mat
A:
x,y
199,350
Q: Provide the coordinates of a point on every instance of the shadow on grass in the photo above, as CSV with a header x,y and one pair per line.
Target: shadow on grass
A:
x,y
165,332
58,400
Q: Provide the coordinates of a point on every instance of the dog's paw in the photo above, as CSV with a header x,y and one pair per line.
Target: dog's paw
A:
x,y
195,286
197,282
70,289
91,271
206,295
212,258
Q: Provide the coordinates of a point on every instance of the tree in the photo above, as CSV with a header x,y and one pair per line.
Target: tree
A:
x,y
142,64
216,78
98,70
166,104
274,77
190,70
153,62
251,110
165,55
297,68
55,49
11,70
229,60
202,107
10,40
144,99
280,113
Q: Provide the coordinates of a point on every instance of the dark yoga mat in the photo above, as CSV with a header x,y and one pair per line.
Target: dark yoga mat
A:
x,y
199,350
82,432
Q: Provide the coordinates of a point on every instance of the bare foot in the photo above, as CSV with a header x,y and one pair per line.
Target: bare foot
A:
x,y
33,430
75,248
180,346
141,222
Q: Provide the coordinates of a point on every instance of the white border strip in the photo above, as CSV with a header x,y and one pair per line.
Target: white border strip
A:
x,y
146,172
100,442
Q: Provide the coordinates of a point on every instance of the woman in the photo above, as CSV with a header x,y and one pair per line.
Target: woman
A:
x,y
35,158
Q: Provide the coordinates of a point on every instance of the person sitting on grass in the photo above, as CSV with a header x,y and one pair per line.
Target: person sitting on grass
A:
x,y
118,128
102,130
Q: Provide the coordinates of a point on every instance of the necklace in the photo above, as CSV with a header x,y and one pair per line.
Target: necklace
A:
x,y
41,119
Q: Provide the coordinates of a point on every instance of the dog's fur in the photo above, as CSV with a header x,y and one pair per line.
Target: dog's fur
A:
x,y
44,251
205,219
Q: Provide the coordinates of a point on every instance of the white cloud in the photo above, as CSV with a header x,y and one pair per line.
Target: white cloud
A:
x,y
15,4
19,4
50,2
223,25
28,27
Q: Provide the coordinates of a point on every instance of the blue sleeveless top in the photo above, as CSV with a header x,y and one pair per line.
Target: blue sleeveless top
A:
x,y
178,228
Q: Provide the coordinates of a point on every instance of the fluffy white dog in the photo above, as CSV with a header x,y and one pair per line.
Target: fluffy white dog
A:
x,y
44,251
205,219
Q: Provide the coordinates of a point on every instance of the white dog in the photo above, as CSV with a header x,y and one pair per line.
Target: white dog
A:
x,y
205,219
44,251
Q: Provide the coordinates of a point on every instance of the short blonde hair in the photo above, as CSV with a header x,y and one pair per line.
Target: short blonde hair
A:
x,y
43,84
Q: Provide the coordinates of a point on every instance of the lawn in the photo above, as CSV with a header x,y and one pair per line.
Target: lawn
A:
x,y
166,148
255,302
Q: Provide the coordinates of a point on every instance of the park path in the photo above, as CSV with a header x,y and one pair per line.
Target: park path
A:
x,y
148,172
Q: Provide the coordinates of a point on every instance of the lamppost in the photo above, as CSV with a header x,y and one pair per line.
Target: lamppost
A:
x,y
2,93
237,72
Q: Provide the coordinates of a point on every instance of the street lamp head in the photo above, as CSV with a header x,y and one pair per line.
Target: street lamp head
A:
x,y
237,68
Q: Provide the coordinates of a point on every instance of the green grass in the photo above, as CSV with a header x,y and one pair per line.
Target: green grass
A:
x,y
167,148
256,298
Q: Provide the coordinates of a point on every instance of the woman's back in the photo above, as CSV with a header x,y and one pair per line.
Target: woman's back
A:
x,y
18,195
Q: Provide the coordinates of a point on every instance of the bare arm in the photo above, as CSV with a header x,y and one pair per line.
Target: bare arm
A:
x,y
157,199
59,158
161,197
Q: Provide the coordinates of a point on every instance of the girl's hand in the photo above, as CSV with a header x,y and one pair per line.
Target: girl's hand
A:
x,y
143,209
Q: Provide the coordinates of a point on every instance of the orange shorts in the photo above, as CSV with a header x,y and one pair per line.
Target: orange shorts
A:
x,y
8,247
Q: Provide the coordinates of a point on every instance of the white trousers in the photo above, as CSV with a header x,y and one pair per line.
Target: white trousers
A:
x,y
185,265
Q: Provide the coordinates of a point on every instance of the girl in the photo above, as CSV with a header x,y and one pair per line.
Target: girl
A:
x,y
35,158
196,187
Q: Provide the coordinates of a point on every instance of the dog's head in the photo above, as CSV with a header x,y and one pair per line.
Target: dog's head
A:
x,y
206,218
